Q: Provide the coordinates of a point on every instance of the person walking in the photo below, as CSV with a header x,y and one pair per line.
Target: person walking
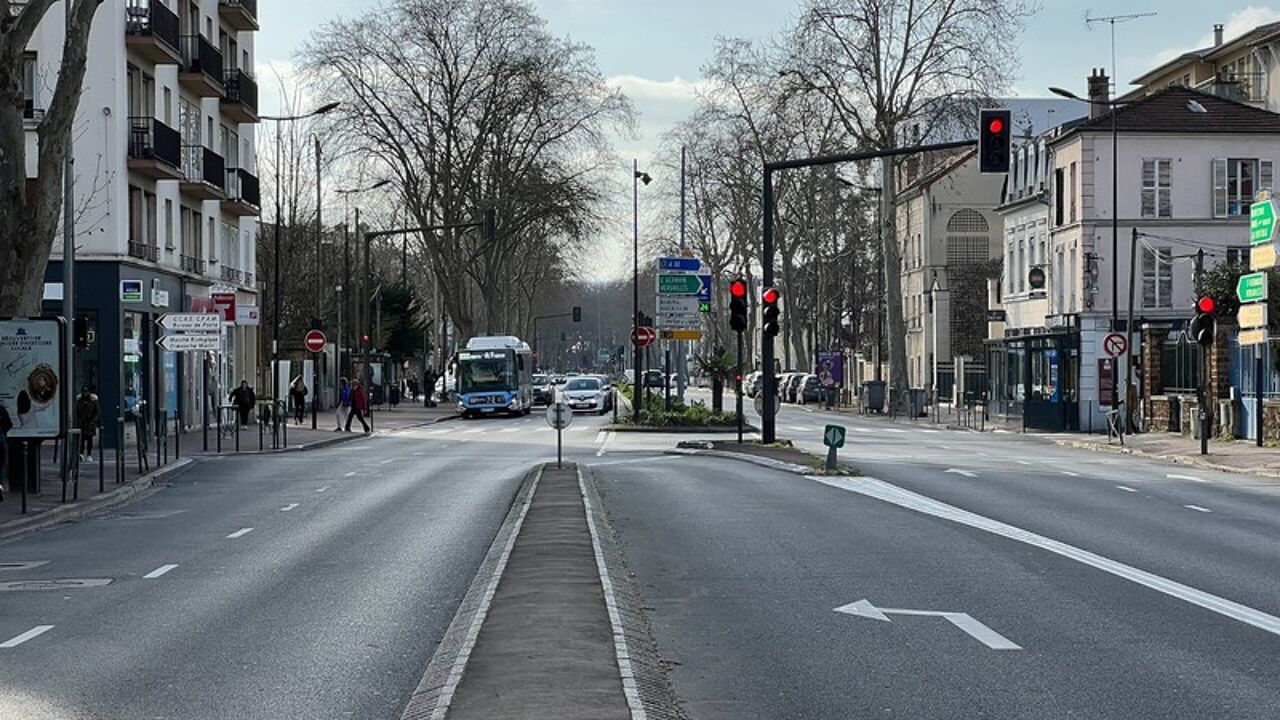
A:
x,y
359,405
6,424
88,412
344,403
298,396
428,387
243,398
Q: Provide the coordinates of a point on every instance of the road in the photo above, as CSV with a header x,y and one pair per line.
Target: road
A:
x,y
1131,588
311,584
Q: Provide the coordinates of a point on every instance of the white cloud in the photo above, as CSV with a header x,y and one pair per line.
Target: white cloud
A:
x,y
642,88
1239,23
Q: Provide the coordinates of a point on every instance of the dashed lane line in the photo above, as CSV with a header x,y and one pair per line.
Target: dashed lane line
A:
x,y
288,507
158,572
239,533
1192,478
510,430
1198,508
604,447
350,474
1068,473
1126,488
33,632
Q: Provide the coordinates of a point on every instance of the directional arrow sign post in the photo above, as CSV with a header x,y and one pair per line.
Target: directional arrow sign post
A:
x,y
1262,257
1252,315
1262,221
964,621
191,322
1252,287
833,437
196,342
679,284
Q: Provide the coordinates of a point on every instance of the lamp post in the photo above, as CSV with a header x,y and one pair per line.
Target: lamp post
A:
x,y
636,178
1115,234
347,285
275,272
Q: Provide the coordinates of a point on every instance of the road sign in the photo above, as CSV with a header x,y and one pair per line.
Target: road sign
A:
x,y
1036,278
678,305
1262,220
1115,344
681,334
669,284
643,336
315,341
833,436
1252,287
679,264
1262,257
191,322
1256,336
760,402
964,621
603,354
559,415
191,342
1252,315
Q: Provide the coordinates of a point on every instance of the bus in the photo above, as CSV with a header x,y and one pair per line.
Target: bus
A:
x,y
495,375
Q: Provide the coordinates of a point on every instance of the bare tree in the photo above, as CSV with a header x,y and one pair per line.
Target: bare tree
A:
x,y
32,208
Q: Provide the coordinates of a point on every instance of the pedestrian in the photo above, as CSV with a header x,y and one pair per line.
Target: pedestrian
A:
x,y
298,396
359,405
243,398
6,424
87,416
344,403
429,386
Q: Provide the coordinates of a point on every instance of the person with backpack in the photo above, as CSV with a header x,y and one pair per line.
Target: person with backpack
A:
x,y
88,412
359,405
344,403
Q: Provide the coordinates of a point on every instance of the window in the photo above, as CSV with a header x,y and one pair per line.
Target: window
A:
x,y
1071,215
1238,255
1021,267
1058,196
150,209
29,85
967,221
1236,181
136,219
1008,267
1157,277
168,107
213,240
168,225
1157,198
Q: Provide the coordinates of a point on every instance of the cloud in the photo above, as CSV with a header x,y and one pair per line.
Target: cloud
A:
x,y
642,88
1239,23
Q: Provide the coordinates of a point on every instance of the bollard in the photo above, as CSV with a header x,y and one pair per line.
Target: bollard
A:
x,y
219,438
102,471
26,470
119,450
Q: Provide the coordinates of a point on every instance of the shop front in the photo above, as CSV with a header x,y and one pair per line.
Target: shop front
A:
x,y
1036,378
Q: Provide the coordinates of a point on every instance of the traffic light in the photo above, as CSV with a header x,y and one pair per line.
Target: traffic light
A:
x,y
577,314
770,299
994,134
738,305
1204,325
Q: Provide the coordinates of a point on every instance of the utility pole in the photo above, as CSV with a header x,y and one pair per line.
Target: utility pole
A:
x,y
68,295
315,365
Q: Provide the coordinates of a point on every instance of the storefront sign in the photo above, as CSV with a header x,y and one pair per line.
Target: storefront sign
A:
x,y
160,298
831,368
131,291
225,303
247,315
31,376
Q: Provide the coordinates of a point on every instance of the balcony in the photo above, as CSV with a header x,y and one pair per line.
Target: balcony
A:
x,y
1248,88
241,101
232,275
144,251
193,264
203,173
201,71
151,32
243,195
155,149
239,14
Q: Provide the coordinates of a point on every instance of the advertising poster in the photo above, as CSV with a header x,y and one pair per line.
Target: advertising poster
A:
x,y
831,368
31,376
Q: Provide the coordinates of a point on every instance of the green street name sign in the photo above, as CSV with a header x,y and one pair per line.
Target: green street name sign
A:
x,y
679,285
1262,222
1252,287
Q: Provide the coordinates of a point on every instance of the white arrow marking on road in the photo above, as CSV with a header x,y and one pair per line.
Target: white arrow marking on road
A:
x,y
1192,478
158,572
1197,508
239,533
288,507
957,471
964,621
33,632
1126,488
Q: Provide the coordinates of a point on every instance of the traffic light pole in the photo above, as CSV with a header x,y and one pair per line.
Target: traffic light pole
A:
x,y
1204,365
738,377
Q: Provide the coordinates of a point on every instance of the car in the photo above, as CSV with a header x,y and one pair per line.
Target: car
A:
x,y
607,389
585,393
751,383
781,384
793,387
654,379
543,391
810,389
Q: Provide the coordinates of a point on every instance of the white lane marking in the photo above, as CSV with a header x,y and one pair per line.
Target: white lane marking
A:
x,y
1197,508
350,474
419,454
476,431
441,431
239,533
288,507
1068,473
1023,462
33,632
895,495
510,430
604,447
894,430
797,428
863,430
1192,478
323,489
384,462
600,437
22,565
1126,488
158,572
931,432
957,471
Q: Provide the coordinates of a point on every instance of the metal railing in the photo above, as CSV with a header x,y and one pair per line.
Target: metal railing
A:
x,y
193,264
231,274
243,185
150,139
144,251
241,88
250,6
201,56
148,18
202,165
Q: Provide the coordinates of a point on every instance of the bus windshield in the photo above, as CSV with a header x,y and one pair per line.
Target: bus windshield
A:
x,y
487,370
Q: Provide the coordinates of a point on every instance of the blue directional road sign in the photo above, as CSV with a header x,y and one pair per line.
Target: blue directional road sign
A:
x,y
679,264
704,295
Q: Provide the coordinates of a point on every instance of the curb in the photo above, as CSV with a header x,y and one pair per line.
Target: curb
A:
x,y
85,508
753,459
681,429
1174,459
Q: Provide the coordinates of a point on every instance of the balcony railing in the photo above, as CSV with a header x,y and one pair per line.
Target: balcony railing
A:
x,y
241,88
201,56
242,185
248,278
151,18
240,14
150,139
193,264
202,165
1241,87
250,6
144,251
231,274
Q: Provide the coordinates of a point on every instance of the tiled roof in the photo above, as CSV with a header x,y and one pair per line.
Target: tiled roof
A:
x,y
1170,110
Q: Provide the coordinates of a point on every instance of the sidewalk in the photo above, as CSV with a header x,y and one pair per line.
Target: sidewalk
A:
x,y
46,507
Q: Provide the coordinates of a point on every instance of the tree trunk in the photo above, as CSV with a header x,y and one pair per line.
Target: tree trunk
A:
x,y
898,378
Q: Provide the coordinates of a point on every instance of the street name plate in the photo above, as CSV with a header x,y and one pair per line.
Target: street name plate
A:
x,y
678,322
191,322
189,343
1262,257
1252,287
1252,315
678,305
1257,336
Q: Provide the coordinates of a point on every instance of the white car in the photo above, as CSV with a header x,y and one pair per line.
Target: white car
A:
x,y
585,393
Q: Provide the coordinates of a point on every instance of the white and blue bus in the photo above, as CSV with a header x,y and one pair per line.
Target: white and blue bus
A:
x,y
495,375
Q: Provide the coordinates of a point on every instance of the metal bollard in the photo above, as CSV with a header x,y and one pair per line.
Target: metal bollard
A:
x,y
119,450
102,470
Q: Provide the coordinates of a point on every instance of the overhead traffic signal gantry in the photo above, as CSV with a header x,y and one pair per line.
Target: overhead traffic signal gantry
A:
x,y
738,305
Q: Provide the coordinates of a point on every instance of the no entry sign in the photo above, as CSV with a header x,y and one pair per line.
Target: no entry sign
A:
x,y
314,341
643,336
1115,345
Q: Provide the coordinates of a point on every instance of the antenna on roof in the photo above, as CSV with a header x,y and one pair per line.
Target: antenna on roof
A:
x,y
1089,20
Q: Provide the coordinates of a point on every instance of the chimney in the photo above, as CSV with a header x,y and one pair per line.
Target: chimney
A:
x,y
1217,35
1099,93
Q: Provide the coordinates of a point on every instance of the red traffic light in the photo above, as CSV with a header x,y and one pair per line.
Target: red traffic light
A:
x,y
1206,304
738,288
996,126
771,296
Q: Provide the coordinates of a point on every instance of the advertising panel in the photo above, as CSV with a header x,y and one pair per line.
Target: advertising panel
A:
x,y
31,376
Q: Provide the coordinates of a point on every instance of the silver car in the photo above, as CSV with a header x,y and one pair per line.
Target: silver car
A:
x,y
585,393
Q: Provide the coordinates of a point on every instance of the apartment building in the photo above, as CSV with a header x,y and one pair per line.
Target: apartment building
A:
x,y
1243,68
166,195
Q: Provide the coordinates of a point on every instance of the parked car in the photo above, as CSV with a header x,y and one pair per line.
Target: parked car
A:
x,y
752,383
793,387
654,378
585,393
810,389
544,393
784,380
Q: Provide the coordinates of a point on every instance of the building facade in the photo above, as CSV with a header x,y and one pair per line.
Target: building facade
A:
x,y
1242,68
166,196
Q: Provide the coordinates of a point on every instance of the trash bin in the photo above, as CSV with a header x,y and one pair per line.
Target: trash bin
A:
x,y
393,396
915,402
873,395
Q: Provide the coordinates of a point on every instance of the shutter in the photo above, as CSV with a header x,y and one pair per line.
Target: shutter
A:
x,y
1266,175
1219,187
1148,188
1164,183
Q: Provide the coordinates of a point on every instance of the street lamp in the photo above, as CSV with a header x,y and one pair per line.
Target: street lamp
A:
x,y
346,193
275,272
636,178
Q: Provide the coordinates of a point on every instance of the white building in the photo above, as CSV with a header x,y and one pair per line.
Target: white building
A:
x,y
166,192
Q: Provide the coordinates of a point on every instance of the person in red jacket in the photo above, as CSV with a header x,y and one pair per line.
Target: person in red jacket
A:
x,y
359,405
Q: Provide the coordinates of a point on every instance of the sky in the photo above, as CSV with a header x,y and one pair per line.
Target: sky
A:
x,y
654,49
